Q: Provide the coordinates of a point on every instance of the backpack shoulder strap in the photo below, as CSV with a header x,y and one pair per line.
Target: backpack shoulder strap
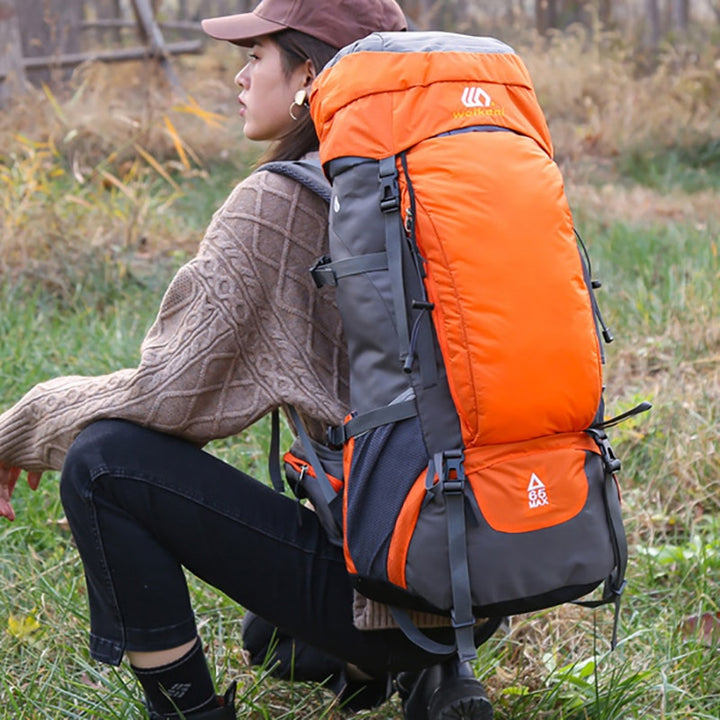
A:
x,y
307,172
310,174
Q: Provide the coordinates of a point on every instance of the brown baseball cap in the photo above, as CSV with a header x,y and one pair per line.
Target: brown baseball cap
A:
x,y
336,22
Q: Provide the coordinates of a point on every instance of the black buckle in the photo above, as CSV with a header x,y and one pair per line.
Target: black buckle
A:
x,y
611,460
389,195
389,188
322,272
453,487
453,471
336,436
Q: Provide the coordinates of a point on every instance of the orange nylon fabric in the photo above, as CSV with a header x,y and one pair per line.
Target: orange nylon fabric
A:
x,y
402,535
348,450
300,466
498,265
512,311
347,96
531,485
483,456
533,492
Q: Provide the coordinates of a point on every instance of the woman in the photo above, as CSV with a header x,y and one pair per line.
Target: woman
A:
x,y
240,332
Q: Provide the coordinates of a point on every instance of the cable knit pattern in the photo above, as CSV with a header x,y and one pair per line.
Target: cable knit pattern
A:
x,y
241,330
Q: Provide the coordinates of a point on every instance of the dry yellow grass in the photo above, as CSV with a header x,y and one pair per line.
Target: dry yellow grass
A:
x,y
118,127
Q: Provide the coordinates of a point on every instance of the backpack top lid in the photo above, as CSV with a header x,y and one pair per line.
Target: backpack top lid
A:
x,y
388,91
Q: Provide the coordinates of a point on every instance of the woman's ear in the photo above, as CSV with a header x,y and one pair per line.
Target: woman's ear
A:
x,y
309,74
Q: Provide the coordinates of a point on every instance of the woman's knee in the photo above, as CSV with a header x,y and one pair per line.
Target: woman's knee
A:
x,y
88,457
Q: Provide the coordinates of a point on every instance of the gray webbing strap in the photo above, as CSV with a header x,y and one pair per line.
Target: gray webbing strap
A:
x,y
413,632
481,633
452,477
374,418
452,482
274,456
390,205
328,491
321,493
615,583
330,272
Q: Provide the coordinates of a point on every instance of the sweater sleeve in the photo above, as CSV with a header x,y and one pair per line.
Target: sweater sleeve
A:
x,y
241,330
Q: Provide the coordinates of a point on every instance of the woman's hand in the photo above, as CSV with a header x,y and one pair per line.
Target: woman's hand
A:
x,y
8,479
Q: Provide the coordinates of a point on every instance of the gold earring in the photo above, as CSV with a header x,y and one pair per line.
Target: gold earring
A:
x,y
300,100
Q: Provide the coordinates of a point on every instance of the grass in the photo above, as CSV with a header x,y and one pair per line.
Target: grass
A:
x,y
103,201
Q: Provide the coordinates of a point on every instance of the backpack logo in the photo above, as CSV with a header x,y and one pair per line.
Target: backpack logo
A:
x,y
475,97
537,492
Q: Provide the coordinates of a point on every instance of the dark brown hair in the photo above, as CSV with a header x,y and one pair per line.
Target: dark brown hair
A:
x,y
295,48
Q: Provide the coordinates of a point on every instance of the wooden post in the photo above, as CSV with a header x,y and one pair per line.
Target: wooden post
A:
x,y
108,10
49,27
653,23
182,47
153,37
12,71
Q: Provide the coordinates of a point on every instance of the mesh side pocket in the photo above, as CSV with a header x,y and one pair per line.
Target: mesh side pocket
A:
x,y
385,464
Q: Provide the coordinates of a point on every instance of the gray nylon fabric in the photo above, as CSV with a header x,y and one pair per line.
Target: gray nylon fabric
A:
x,y
505,569
402,42
357,227
578,552
367,306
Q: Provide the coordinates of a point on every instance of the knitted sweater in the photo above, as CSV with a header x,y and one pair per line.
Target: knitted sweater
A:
x,y
241,330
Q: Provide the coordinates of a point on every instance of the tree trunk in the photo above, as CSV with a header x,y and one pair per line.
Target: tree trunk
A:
x,y
715,7
605,12
52,31
573,11
653,23
108,10
152,37
681,15
12,72
546,15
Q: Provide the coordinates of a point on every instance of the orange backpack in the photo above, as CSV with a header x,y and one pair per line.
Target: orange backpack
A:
x,y
478,479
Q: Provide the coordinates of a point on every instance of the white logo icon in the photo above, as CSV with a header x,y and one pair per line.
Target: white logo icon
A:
x,y
178,690
537,493
475,97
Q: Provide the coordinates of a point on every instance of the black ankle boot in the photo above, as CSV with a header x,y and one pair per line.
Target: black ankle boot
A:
x,y
226,711
447,691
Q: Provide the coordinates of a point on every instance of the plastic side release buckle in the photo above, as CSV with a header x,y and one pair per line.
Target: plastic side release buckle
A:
x,y
610,459
336,436
389,189
453,471
322,272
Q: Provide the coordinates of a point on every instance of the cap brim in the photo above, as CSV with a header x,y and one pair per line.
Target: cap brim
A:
x,y
240,29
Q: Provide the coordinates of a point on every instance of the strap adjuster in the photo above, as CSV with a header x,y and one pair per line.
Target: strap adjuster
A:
x,y
336,436
389,188
610,459
453,487
459,625
322,272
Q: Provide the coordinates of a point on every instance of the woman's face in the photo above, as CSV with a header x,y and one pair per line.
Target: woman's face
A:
x,y
267,92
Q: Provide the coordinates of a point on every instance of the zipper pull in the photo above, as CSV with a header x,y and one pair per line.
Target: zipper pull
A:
x,y
409,221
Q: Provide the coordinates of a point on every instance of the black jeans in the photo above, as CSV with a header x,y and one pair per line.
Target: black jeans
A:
x,y
142,505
